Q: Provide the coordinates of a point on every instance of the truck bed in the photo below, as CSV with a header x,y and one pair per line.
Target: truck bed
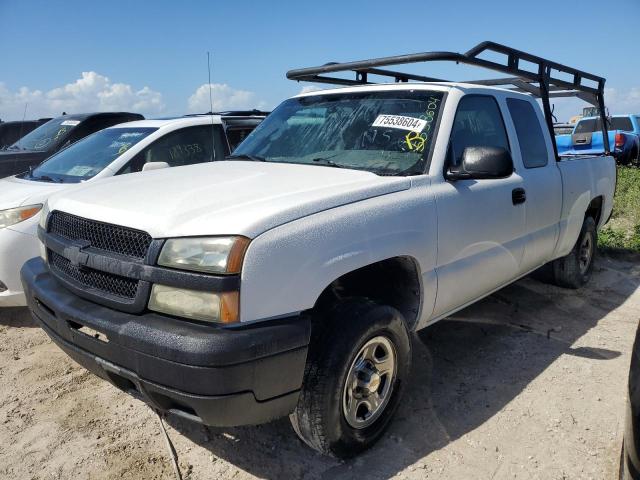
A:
x,y
583,178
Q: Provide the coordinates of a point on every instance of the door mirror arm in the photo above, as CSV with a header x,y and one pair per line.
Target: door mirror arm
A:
x,y
454,176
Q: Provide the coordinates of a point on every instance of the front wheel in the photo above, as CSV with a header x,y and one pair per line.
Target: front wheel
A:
x,y
357,368
574,270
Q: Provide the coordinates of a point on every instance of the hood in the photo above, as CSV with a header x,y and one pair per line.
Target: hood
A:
x,y
230,197
15,192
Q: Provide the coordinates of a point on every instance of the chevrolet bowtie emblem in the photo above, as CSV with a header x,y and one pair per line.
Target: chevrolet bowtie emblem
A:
x,y
76,255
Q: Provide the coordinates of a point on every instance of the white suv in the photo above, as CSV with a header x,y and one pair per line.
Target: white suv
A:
x,y
121,149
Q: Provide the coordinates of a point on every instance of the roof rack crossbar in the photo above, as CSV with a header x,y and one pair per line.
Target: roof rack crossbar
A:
x,y
542,83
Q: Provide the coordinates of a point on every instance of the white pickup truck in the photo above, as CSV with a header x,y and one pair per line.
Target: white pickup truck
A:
x,y
288,279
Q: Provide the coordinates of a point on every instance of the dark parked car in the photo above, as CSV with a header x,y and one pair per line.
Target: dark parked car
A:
x,y
53,136
11,132
630,461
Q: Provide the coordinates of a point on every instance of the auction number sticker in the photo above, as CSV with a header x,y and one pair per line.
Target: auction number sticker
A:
x,y
401,122
71,123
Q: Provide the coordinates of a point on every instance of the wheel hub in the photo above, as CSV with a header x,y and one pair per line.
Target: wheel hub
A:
x,y
368,379
585,254
369,382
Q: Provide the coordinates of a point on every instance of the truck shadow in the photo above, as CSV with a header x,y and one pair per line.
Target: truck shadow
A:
x,y
465,370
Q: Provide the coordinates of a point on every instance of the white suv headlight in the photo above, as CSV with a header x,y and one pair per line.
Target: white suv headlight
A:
x,y
206,254
12,216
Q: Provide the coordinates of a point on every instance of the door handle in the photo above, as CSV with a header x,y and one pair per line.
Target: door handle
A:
x,y
518,195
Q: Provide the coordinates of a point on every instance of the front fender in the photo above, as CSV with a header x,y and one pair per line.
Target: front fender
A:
x,y
288,267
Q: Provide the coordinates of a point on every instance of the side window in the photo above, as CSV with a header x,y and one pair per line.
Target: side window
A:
x,y
532,145
478,123
185,146
236,135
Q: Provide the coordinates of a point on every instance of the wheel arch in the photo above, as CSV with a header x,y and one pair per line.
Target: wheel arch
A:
x,y
394,281
594,209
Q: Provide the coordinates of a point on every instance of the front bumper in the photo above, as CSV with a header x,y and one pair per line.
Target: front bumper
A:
x,y
212,375
15,249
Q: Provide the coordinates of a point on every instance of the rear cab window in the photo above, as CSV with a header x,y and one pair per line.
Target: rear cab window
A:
x,y
236,135
591,125
533,147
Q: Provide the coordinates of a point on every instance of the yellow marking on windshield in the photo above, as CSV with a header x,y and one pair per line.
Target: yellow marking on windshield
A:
x,y
415,141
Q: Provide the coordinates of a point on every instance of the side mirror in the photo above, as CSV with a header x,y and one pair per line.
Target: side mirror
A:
x,y
483,163
154,166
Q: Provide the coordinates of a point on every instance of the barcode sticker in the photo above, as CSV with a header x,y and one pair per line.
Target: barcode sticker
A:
x,y
400,122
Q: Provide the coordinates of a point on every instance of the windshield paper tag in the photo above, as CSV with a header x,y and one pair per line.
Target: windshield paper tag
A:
x,y
71,123
400,122
79,171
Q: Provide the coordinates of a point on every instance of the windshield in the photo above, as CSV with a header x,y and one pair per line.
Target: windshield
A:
x,y
46,136
89,156
591,125
388,133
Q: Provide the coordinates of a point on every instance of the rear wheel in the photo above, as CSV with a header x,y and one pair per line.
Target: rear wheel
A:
x,y
574,269
357,368
633,158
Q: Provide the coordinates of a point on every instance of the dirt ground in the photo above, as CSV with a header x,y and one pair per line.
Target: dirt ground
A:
x,y
529,383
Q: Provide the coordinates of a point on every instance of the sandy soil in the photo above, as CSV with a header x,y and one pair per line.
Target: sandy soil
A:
x,y
529,383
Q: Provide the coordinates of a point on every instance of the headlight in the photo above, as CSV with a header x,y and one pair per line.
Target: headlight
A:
x,y
16,215
44,215
211,255
207,306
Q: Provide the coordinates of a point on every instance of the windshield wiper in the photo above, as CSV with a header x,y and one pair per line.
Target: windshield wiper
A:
x,y
253,158
329,163
46,178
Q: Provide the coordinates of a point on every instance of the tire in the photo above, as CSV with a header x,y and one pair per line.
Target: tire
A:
x,y
623,471
328,418
633,157
574,270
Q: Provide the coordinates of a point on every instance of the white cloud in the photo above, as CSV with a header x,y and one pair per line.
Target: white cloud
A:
x,y
224,98
91,92
622,101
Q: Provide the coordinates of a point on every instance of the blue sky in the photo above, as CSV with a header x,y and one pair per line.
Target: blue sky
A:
x,y
152,55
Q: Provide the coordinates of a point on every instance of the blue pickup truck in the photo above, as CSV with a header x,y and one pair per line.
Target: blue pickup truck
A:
x,y
586,138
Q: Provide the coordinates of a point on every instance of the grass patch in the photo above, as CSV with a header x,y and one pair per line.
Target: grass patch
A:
x,y
623,230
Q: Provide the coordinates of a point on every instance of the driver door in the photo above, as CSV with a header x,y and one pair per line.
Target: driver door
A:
x,y
481,222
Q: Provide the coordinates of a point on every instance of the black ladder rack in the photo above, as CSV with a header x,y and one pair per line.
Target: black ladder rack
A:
x,y
542,83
